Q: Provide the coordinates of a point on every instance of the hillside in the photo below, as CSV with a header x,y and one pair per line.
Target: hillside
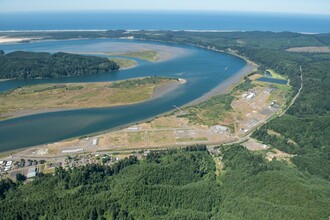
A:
x,y
171,184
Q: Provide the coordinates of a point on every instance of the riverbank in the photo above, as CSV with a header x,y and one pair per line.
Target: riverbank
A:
x,y
162,90
226,86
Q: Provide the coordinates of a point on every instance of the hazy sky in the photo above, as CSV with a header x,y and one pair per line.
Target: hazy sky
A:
x,y
295,6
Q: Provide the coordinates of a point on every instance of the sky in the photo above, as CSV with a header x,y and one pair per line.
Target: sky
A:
x,y
282,6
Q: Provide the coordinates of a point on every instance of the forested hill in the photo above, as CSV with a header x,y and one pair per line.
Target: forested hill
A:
x,y
29,65
171,184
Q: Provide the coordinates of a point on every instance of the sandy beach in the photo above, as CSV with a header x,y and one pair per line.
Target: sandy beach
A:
x,y
4,39
3,80
166,88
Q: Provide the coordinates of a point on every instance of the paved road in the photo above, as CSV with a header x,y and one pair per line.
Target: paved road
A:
x,y
298,93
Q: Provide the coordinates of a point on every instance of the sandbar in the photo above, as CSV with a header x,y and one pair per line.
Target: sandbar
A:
x,y
158,91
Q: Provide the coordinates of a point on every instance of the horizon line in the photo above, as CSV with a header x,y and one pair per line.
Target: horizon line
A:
x,y
162,10
137,30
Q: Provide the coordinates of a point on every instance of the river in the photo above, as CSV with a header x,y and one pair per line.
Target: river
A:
x,y
203,70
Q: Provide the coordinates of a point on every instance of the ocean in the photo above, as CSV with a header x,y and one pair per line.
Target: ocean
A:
x,y
165,20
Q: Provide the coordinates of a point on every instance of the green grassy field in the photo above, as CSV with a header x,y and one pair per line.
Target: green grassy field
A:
x,y
211,111
277,75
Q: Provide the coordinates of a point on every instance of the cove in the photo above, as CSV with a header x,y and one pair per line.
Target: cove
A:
x,y
203,70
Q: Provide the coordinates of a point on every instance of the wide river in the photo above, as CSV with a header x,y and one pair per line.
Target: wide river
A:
x,y
203,69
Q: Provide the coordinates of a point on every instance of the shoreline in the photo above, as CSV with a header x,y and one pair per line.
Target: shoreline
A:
x,y
225,86
3,80
14,40
162,90
134,30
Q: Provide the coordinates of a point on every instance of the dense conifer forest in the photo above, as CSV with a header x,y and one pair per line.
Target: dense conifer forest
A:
x,y
30,65
172,184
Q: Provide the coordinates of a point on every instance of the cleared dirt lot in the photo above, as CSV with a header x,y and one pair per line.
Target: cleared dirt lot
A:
x,y
254,145
324,49
250,112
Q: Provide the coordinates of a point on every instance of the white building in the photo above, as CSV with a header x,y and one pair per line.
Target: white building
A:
x,y
268,90
251,95
94,142
7,169
219,129
31,172
72,151
134,128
